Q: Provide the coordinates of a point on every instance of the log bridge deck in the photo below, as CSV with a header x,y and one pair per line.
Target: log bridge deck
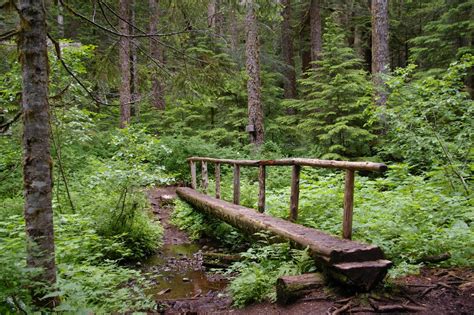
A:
x,y
350,262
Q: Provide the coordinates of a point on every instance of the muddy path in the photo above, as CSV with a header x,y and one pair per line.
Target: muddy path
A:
x,y
184,286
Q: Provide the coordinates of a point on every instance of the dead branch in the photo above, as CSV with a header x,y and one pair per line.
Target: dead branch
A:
x,y
435,258
342,309
4,127
8,34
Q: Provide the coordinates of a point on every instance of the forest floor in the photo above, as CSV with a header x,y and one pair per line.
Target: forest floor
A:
x,y
192,289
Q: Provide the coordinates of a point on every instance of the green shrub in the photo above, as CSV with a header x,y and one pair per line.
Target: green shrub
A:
x,y
198,225
262,265
86,282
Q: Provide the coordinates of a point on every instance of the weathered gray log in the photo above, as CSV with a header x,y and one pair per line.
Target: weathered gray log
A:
x,y
356,166
222,258
290,288
261,188
295,192
218,180
348,261
236,184
348,205
205,177
192,164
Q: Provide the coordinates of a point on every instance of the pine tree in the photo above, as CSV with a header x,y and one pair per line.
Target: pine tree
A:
x,y
337,92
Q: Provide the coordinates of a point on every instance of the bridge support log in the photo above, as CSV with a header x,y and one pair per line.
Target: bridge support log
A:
x,y
350,262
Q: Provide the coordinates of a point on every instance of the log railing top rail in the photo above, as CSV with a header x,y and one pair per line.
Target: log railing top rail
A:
x,y
347,165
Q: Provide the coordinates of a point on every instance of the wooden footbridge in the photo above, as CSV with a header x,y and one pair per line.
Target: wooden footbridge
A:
x,y
342,259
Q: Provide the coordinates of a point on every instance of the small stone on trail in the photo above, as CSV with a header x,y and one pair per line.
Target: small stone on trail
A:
x,y
186,280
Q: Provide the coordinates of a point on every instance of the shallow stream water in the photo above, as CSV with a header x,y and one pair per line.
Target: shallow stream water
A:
x,y
178,272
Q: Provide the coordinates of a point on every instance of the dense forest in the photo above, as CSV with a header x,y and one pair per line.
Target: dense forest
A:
x,y
103,101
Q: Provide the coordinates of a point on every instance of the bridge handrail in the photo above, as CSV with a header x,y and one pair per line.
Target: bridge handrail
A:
x,y
296,163
347,165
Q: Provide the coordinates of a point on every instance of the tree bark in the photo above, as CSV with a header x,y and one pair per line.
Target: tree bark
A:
x,y
135,110
60,19
214,16
380,53
290,288
234,32
255,111
124,59
358,41
289,83
316,34
156,52
37,164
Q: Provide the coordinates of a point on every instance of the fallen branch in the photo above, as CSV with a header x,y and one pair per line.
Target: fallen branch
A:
x,y
435,258
342,309
399,307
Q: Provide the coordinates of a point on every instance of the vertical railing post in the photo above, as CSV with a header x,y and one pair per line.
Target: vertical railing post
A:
x,y
218,180
236,184
192,164
348,205
261,188
205,177
295,192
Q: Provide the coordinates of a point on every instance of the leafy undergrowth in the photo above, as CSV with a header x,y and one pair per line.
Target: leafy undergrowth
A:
x,y
101,221
87,280
262,264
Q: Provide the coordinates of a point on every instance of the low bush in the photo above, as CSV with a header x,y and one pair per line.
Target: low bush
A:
x,y
263,264
86,282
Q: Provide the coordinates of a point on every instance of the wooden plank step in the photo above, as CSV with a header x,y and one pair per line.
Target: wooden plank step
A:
x,y
365,274
326,249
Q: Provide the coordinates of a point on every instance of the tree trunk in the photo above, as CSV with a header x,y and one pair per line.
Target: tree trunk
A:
x,y
316,34
124,59
287,51
358,41
37,164
290,288
156,52
380,54
60,19
214,16
234,32
255,111
135,110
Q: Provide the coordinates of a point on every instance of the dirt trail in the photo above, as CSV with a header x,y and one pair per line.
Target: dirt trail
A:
x,y
434,291
162,201
186,286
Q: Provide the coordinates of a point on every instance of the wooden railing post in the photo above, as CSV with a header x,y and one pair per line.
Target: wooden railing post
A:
x,y
192,164
261,188
205,177
236,184
295,192
348,205
218,180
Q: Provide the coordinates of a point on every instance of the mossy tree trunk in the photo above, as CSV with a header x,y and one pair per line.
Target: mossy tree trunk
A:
x,y
37,164
255,110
